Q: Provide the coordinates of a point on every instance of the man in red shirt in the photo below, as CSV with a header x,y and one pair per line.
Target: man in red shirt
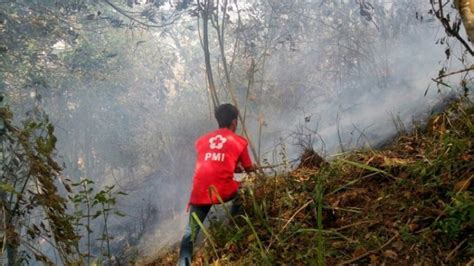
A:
x,y
220,153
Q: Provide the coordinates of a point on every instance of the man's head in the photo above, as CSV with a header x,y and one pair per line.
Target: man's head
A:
x,y
226,115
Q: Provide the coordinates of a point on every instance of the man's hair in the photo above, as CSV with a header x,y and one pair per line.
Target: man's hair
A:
x,y
225,114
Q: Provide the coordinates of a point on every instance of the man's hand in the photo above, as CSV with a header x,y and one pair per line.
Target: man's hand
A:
x,y
239,169
251,168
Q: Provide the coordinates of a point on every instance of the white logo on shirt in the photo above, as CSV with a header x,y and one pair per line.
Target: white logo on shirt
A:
x,y
217,142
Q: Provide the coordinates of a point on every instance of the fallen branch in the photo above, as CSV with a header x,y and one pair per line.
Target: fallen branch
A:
x,y
370,252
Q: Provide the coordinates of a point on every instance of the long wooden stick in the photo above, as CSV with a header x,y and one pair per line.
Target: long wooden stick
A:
x,y
220,37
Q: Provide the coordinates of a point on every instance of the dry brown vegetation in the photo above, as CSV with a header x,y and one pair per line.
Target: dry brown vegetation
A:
x,y
411,202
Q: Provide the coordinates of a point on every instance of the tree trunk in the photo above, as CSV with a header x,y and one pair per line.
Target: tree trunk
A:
x,y
207,55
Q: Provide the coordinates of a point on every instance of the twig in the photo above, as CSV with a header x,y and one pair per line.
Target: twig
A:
x,y
439,14
470,263
37,252
455,250
354,224
353,209
370,252
289,221
294,215
465,185
338,119
454,73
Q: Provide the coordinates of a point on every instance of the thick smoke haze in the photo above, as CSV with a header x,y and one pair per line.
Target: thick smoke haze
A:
x,y
362,118
137,130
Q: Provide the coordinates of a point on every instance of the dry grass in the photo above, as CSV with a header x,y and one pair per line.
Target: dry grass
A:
x,y
411,202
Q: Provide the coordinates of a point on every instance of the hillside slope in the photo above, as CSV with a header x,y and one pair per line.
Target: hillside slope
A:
x,y
410,202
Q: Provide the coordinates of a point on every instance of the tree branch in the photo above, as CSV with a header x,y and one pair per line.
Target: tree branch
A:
x,y
454,73
124,13
439,14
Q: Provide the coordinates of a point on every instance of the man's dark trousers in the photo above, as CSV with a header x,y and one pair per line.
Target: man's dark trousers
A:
x,y
192,230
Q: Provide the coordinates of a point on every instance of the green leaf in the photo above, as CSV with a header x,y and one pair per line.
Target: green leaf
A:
x,y
100,197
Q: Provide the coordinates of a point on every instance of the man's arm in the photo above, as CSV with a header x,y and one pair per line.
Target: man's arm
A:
x,y
245,163
251,168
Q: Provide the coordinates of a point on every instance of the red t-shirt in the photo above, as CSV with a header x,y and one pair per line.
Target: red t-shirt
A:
x,y
218,153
